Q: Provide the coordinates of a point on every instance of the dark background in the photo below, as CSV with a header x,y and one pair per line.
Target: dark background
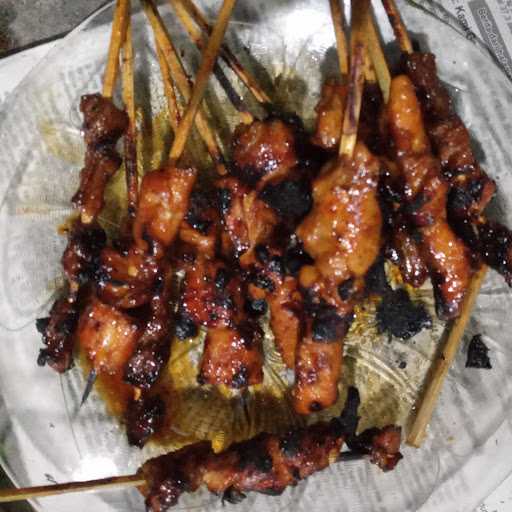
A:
x,y
25,23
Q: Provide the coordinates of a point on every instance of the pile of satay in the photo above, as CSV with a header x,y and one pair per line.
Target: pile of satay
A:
x,y
289,231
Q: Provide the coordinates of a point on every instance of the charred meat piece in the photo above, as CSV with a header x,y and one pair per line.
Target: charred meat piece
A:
x,y
107,336
125,278
330,110
153,346
163,204
214,296
143,418
103,125
471,187
263,151
495,246
270,285
232,356
449,137
266,464
402,244
426,193
248,220
100,165
58,331
342,234
82,254
200,228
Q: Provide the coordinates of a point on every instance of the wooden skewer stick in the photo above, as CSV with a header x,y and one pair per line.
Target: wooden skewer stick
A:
x,y
117,37
360,33
338,20
398,25
130,138
170,93
188,13
356,81
163,40
443,362
27,493
196,35
455,331
377,57
208,61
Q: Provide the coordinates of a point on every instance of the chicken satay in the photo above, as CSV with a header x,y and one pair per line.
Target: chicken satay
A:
x,y
266,464
402,247
126,277
153,345
472,188
426,193
213,297
271,286
163,203
103,125
57,331
343,236
449,136
80,262
107,336
330,111
264,151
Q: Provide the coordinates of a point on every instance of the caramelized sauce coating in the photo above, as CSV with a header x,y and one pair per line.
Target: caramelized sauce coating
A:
x,y
342,234
246,218
107,336
263,151
426,193
267,463
163,204
103,125
330,111
126,277
214,296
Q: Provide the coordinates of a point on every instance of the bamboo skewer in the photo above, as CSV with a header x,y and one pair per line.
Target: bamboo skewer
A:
x,y
443,362
183,82
196,36
356,81
398,25
188,13
377,56
338,20
208,61
130,138
456,330
27,493
170,92
117,37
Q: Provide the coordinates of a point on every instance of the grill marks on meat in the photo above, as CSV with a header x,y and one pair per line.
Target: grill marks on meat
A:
x,y
266,464
103,125
342,234
426,194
